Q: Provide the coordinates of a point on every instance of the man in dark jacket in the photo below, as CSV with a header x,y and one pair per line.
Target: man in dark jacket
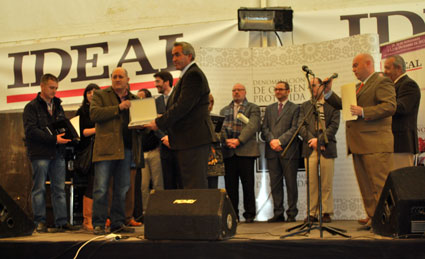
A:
x,y
405,119
46,151
187,120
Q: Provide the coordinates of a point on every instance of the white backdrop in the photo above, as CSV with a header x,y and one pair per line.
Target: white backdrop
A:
x,y
259,69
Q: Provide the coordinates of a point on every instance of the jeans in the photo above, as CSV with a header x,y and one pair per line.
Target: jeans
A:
x,y
120,171
55,169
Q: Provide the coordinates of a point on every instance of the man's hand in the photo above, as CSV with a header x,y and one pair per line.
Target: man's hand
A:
x,y
124,105
165,141
151,125
232,142
274,144
356,110
61,140
313,143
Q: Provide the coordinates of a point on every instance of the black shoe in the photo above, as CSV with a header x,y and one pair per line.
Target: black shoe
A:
x,y
326,218
69,227
41,227
291,219
249,220
99,230
122,229
276,218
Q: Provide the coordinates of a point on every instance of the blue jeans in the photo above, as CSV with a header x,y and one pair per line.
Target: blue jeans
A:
x,y
55,169
103,171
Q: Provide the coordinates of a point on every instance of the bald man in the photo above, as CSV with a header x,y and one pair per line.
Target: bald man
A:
x,y
369,137
114,148
240,149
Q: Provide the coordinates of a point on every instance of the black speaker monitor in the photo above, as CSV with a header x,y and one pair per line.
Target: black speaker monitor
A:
x,y
13,220
205,214
401,207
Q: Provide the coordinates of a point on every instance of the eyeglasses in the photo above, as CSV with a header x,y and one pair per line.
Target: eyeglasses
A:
x,y
281,89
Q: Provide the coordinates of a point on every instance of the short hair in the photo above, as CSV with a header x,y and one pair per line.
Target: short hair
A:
x,y
146,91
125,71
186,47
88,89
285,83
47,77
399,62
165,76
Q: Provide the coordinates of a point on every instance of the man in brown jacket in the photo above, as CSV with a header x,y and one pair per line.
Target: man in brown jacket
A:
x,y
369,137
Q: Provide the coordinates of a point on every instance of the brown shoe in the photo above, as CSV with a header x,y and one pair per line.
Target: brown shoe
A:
x,y
133,223
363,221
326,218
312,219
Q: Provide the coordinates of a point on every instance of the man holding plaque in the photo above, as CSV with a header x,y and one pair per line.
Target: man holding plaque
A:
x,y
187,119
114,148
369,137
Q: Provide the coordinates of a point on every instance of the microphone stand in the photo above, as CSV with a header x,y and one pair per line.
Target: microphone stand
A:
x,y
307,226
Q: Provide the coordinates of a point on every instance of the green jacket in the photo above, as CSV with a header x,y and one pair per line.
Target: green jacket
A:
x,y
109,144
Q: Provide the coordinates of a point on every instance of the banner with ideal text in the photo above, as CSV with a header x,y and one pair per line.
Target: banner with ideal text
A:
x,y
413,52
259,69
78,62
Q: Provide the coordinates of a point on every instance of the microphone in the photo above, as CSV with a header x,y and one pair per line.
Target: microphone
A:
x,y
333,76
307,70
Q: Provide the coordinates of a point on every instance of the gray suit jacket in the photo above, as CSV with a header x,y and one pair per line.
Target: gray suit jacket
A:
x,y
282,127
308,131
371,134
247,138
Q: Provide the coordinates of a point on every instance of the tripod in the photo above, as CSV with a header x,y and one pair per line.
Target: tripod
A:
x,y
309,225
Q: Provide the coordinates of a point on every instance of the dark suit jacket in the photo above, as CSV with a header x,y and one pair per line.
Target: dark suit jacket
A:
x,y
371,134
187,120
308,131
281,127
405,119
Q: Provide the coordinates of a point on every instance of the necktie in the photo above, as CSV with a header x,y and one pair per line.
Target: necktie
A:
x,y
280,108
360,87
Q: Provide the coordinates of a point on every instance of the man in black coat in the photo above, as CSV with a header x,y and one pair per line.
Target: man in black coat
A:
x,y
405,119
187,120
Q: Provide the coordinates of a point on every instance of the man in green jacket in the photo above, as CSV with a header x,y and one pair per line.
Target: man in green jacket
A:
x,y
112,152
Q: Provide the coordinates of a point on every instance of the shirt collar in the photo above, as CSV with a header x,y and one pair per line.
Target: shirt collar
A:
x,y
398,78
186,68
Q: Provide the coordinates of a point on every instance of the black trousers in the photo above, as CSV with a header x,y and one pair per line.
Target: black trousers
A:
x,y
193,166
283,170
241,167
170,169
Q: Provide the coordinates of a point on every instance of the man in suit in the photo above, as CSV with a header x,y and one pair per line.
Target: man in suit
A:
x,y
313,136
405,119
240,148
114,148
279,125
170,170
369,137
187,120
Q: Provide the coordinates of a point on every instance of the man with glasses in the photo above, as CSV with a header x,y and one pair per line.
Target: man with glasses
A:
x,y
240,148
279,125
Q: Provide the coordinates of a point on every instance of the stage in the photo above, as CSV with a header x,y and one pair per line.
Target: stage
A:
x,y
256,240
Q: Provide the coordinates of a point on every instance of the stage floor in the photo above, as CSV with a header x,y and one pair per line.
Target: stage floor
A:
x,y
254,240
